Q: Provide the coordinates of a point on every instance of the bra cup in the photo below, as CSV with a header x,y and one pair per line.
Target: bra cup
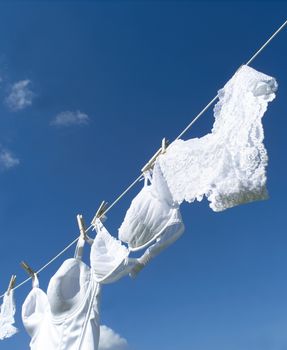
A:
x,y
68,287
149,213
174,229
160,187
34,309
108,257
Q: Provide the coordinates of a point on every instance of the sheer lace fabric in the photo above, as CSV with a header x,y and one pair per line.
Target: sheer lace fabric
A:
x,y
7,312
228,164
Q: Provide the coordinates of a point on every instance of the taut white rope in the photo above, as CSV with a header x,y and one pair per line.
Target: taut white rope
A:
x,y
141,176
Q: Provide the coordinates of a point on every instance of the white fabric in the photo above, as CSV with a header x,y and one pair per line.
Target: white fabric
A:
x,y
55,320
7,312
171,234
227,165
150,215
109,257
67,317
79,248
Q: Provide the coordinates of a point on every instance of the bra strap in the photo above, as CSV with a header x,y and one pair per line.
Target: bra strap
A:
x,y
79,248
35,281
94,291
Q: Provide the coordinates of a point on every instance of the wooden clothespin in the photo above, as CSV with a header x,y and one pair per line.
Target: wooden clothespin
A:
x,y
150,163
100,212
11,284
83,230
164,145
28,269
82,226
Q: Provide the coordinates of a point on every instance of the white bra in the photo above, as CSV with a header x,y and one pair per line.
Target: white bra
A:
x,y
109,257
67,317
151,214
55,321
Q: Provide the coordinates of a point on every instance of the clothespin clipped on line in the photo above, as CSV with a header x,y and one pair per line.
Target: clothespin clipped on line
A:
x,y
100,214
28,269
164,145
82,228
11,284
150,163
81,225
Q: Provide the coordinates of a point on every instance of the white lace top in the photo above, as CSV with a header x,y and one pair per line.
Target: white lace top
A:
x,y
228,164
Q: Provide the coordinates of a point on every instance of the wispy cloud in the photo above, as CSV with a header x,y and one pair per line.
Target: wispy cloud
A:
x,y
20,95
7,160
110,340
69,118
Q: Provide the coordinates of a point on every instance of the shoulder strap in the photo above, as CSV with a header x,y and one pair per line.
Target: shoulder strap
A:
x,y
35,281
79,248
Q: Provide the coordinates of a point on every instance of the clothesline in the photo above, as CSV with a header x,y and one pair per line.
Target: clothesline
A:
x,y
247,64
141,175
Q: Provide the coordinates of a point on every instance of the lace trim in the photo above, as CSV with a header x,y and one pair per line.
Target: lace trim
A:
x,y
228,164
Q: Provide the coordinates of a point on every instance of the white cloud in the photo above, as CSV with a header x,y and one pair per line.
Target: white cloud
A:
x,y
20,96
69,118
110,340
7,160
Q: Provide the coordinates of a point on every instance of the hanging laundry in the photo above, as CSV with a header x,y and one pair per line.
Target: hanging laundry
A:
x,y
227,165
162,242
152,214
109,257
7,312
67,317
55,320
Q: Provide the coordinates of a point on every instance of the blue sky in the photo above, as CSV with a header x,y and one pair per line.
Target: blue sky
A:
x,y
88,90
